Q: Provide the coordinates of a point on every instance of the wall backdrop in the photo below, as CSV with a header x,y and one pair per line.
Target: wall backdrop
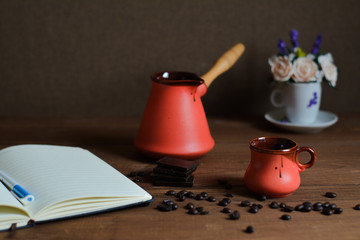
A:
x,y
95,58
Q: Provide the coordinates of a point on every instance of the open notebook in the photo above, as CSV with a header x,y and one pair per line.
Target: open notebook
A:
x,y
65,182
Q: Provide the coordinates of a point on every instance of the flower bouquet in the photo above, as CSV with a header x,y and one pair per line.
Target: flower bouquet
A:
x,y
296,66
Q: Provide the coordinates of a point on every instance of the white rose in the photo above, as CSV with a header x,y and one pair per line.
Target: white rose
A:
x,y
281,68
330,72
305,70
328,67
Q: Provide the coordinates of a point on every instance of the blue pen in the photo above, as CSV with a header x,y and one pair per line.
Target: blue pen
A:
x,y
20,193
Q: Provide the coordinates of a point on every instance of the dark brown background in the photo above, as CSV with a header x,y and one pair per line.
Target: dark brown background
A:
x,y
87,58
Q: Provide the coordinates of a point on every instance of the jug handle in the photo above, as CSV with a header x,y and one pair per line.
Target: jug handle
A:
x,y
224,63
302,167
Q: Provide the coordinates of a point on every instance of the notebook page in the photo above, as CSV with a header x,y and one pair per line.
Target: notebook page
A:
x,y
55,174
7,199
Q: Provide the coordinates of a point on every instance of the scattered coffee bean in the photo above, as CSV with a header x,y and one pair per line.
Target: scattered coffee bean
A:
x,y
193,211
318,208
199,197
204,194
245,203
183,192
226,210
141,174
299,207
235,215
223,203
133,174
282,205
170,193
181,198
357,207
330,195
262,198
326,205
164,207
307,204
288,209
327,211
306,209
254,209
228,200
332,206
204,212
338,210
138,179
175,206
249,229
168,202
229,195
211,199
190,206
318,204
199,209
190,195
274,205
285,217
257,205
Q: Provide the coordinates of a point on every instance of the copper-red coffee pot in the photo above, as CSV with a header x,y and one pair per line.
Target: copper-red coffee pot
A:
x,y
174,121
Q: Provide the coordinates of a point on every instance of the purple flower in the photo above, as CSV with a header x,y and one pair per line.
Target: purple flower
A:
x,y
316,45
282,47
294,38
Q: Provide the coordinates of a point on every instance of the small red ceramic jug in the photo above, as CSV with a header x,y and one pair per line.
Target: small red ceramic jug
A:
x,y
174,121
274,167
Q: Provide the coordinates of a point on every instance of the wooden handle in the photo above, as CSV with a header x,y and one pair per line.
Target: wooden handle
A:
x,y
224,63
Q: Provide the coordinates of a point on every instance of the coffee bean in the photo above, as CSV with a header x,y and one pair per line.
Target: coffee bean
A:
x,y
285,217
274,205
190,195
338,210
133,174
235,215
229,195
327,211
282,205
226,210
164,207
245,203
175,206
318,204
332,206
204,212
258,205
326,205
223,203
200,209
199,197
330,195
288,209
170,193
204,194
141,174
299,207
318,208
249,229
181,198
228,200
254,209
193,211
357,207
190,206
306,209
262,198
307,204
211,199
138,179
168,202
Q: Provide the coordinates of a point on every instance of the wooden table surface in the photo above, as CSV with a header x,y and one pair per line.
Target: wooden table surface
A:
x,y
337,170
